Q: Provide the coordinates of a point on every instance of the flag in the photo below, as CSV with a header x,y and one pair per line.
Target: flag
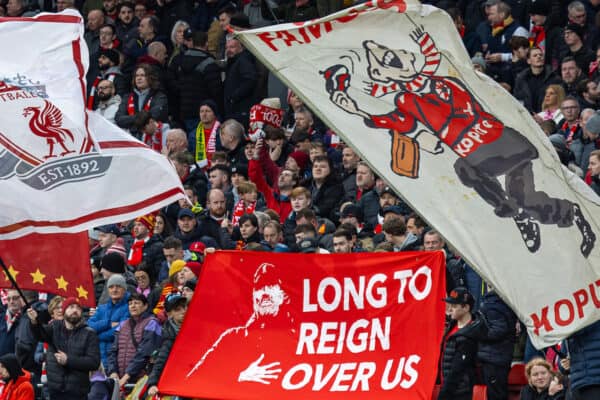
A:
x,y
39,262
340,326
394,80
63,169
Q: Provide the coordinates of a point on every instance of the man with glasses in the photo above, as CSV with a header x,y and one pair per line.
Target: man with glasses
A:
x,y
11,317
569,127
108,102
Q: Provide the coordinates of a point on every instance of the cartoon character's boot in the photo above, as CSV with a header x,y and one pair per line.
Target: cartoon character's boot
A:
x,y
530,231
589,237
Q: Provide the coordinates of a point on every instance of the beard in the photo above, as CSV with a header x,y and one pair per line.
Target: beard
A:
x,y
103,96
73,319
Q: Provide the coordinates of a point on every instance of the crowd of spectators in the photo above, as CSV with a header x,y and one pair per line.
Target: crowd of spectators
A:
x,y
262,173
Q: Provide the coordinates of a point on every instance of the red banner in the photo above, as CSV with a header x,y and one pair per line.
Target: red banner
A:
x,y
340,326
56,263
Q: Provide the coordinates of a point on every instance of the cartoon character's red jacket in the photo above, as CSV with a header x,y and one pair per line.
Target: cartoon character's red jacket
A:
x,y
447,109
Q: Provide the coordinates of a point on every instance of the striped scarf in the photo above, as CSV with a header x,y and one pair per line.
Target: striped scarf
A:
x,y
537,37
499,28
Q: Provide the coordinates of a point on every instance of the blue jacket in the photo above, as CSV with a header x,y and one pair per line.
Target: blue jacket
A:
x,y
584,352
102,322
7,338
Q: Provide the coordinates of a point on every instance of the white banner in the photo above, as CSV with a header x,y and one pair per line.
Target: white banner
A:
x,y
394,80
62,169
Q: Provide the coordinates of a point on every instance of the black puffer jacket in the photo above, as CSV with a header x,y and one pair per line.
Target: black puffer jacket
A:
x,y
83,355
152,254
496,347
198,78
326,198
457,363
240,81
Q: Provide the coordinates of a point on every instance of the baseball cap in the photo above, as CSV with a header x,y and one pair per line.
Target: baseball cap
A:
x,y
460,295
111,228
185,212
173,301
388,189
308,245
393,209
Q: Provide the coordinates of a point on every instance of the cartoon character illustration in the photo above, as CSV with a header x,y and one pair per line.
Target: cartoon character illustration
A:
x,y
442,108
269,335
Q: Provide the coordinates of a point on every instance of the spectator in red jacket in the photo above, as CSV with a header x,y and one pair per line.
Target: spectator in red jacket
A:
x,y
17,380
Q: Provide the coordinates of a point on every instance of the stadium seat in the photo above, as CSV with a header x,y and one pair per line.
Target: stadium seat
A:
x,y
516,381
479,392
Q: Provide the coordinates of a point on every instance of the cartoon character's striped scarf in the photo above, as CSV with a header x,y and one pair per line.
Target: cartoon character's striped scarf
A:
x,y
432,62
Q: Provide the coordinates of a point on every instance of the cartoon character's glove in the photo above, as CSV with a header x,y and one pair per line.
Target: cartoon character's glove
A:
x,y
429,142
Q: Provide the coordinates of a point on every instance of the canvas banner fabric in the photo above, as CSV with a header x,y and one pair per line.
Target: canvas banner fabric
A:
x,y
342,326
63,169
393,79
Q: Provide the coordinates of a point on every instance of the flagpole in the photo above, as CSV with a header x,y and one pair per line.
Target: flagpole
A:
x,y
14,283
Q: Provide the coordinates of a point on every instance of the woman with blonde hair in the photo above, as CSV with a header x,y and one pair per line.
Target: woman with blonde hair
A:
x,y
177,38
544,384
553,97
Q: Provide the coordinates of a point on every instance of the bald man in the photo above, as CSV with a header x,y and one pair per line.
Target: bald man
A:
x,y
95,20
158,51
176,142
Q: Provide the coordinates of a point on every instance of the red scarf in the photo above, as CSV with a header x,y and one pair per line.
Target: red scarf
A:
x,y
11,319
131,105
537,37
571,131
154,140
240,209
92,97
136,253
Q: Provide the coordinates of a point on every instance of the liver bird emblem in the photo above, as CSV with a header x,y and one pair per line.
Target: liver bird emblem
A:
x,y
47,124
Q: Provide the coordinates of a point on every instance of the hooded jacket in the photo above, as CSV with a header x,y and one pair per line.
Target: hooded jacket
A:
x,y
411,242
19,389
18,385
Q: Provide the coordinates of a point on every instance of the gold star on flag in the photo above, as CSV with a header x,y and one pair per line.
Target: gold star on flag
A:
x,y
62,284
37,276
12,272
81,292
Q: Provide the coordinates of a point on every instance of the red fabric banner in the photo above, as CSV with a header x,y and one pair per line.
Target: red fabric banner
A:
x,y
56,263
339,326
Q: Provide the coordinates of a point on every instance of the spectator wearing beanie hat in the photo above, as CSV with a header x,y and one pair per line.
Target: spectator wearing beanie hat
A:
x,y
113,263
73,351
146,247
173,284
189,287
208,126
574,35
109,315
